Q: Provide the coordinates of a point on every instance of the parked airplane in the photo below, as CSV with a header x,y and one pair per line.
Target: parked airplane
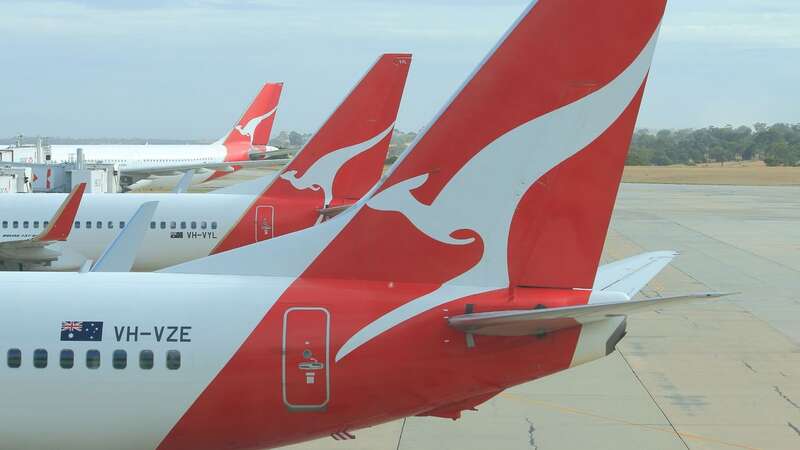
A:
x,y
161,165
468,270
340,163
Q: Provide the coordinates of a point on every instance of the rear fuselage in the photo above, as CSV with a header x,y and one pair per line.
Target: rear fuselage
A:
x,y
256,368
184,227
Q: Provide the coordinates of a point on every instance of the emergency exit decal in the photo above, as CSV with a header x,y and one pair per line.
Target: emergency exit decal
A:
x,y
305,372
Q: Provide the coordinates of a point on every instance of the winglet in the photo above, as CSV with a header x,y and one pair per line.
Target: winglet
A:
x,y
121,253
61,224
184,183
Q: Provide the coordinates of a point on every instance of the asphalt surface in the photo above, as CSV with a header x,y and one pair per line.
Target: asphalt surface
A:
x,y
723,374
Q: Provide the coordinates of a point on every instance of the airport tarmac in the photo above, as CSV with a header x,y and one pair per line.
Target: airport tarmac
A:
x,y
714,375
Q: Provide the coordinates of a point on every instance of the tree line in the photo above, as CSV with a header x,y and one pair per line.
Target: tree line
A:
x,y
776,145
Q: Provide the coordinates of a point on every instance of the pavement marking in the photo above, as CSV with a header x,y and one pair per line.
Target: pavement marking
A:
x,y
650,394
400,435
580,412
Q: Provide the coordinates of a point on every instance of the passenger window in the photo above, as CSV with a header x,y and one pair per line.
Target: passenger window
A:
x,y
173,225
214,225
152,225
5,224
121,224
15,224
194,225
173,359
36,224
163,225
110,224
25,224
14,358
183,225
146,359
67,359
99,225
40,358
120,359
203,225
93,359
77,224
45,224
88,225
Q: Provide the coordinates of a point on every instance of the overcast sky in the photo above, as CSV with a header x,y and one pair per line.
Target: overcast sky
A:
x,y
187,69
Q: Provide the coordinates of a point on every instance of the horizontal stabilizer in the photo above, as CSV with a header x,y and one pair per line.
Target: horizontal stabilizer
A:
x,y
530,322
179,169
630,275
333,211
250,187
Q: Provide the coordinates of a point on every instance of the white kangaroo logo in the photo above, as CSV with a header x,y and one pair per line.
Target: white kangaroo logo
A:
x,y
322,173
483,195
250,127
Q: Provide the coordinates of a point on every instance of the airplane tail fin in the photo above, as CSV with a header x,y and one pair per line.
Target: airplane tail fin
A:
x,y
513,182
345,157
255,125
340,163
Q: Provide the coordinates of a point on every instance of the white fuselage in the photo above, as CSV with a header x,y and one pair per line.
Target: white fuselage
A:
x,y
204,318
140,158
184,227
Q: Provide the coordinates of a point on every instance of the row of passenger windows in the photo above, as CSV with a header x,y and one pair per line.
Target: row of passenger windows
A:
x,y
25,224
111,161
173,225
99,224
119,359
193,225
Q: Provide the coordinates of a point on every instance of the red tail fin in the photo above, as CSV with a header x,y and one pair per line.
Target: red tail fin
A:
x,y
345,157
340,163
514,182
255,125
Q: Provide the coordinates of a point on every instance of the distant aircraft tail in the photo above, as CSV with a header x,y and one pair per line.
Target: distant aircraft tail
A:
x,y
344,159
339,164
255,125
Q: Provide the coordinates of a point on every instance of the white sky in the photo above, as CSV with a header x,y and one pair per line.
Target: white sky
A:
x,y
181,69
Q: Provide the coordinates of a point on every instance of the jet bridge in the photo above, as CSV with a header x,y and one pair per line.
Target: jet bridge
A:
x,y
63,177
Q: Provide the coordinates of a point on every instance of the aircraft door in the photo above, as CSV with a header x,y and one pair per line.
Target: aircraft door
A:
x,y
305,356
265,222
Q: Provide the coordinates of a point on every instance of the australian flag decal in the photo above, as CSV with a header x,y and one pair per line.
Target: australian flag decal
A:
x,y
81,331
